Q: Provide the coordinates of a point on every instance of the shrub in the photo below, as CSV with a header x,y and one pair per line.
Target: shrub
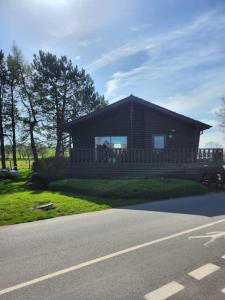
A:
x,y
50,168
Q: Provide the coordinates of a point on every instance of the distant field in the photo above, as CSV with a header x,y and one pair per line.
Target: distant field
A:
x,y
26,162
21,164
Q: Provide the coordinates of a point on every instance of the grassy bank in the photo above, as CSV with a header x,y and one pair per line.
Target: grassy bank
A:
x,y
149,189
18,203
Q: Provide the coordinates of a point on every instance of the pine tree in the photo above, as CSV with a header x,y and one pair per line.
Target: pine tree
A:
x,y
64,92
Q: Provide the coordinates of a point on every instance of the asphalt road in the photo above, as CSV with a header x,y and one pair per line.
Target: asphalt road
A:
x,y
149,251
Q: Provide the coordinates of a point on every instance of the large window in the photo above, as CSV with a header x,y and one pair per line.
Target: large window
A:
x,y
110,142
159,141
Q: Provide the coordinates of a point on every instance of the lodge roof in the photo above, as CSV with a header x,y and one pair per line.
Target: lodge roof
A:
x,y
135,99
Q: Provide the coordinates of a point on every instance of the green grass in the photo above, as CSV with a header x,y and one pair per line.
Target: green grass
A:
x,y
18,203
149,189
21,206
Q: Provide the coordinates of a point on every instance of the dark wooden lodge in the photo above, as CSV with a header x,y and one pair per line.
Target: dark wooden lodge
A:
x,y
136,138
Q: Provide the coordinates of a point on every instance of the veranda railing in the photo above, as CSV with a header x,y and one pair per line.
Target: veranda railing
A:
x,y
201,156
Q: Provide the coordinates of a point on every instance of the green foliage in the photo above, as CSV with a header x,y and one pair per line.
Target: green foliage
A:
x,y
148,189
64,92
37,99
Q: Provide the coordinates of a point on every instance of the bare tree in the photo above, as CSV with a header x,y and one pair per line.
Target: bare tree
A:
x,y
2,94
221,115
212,144
29,101
13,61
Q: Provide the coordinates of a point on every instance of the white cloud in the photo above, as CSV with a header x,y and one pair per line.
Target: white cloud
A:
x,y
216,110
117,81
121,52
203,24
172,60
199,97
212,122
215,136
57,25
137,28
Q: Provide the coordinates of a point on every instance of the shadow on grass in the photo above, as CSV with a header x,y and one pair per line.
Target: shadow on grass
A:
x,y
210,205
112,202
17,184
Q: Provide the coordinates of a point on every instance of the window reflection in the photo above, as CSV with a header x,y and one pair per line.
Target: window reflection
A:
x,y
118,142
102,142
111,142
159,141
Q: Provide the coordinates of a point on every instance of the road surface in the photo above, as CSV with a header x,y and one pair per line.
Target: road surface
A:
x,y
172,248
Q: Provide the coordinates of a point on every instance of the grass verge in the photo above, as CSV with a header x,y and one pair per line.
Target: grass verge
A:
x,y
19,204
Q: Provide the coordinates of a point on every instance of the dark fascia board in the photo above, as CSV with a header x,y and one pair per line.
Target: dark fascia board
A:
x,y
148,104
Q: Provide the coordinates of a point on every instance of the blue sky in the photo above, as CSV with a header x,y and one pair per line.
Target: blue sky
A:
x,y
170,52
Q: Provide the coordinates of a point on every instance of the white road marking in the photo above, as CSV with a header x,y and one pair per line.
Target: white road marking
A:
x,y
106,257
223,291
165,291
204,271
213,236
223,257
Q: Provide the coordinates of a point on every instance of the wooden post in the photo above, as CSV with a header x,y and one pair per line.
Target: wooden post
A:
x,y
131,124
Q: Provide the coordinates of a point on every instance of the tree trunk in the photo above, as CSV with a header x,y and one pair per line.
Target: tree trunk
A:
x,y
33,145
58,144
13,129
2,145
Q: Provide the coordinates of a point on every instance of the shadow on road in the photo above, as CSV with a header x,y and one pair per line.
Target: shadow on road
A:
x,y
209,205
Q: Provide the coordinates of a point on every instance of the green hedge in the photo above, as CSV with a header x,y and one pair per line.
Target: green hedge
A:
x,y
154,188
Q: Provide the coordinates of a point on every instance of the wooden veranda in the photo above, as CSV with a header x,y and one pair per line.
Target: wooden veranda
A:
x,y
130,163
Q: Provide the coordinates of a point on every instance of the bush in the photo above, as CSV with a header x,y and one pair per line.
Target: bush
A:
x,y
51,168
154,188
39,182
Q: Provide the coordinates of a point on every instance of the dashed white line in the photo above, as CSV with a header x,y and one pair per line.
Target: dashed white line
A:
x,y
204,271
223,256
223,291
165,291
106,257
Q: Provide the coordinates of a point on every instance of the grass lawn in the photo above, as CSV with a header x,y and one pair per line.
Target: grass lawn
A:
x,y
148,189
19,204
